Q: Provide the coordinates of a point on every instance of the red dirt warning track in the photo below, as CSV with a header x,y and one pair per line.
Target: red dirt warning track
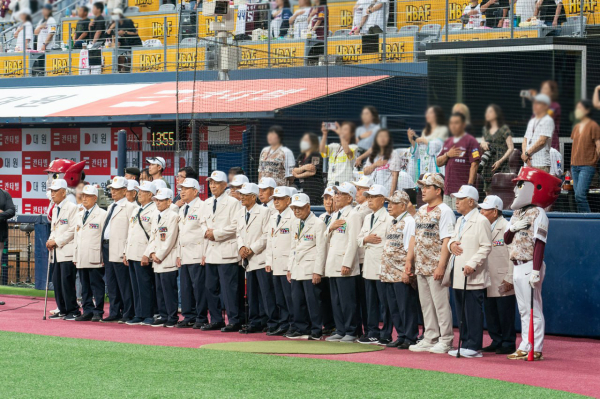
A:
x,y
570,364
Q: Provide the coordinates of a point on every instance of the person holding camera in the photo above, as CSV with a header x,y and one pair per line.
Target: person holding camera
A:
x,y
497,145
340,155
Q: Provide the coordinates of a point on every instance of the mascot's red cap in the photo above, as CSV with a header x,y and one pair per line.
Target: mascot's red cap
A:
x,y
546,187
73,171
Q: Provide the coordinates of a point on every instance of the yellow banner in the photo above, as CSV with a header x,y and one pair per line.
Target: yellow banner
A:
x,y
282,55
153,60
423,12
591,10
145,5
398,49
57,64
153,27
12,66
490,34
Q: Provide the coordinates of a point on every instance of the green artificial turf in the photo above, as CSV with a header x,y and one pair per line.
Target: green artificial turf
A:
x,y
293,347
37,366
24,291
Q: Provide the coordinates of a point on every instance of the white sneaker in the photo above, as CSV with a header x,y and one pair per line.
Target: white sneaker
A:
x,y
422,346
441,347
465,353
348,339
334,338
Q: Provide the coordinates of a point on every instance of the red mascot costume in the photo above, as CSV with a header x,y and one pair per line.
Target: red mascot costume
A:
x,y
70,171
526,235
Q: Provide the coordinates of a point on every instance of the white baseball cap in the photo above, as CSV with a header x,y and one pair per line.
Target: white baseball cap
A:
x,y
160,161
239,180
249,188
328,191
148,186
191,183
90,190
281,192
542,98
375,190
267,182
292,190
133,185
159,183
163,194
492,202
346,188
118,182
364,181
467,192
57,184
218,176
300,200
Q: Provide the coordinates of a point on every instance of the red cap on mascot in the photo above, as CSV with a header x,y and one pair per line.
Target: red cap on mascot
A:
x,y
73,171
546,187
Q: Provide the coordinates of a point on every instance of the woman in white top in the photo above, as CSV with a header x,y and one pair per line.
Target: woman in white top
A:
x,y
426,148
26,29
377,165
46,29
365,134
300,18
474,11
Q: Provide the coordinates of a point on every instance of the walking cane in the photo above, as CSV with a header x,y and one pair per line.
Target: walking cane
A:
x,y
462,316
531,332
246,306
47,283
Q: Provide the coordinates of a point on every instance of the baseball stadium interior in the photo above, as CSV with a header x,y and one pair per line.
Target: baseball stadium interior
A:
x,y
315,100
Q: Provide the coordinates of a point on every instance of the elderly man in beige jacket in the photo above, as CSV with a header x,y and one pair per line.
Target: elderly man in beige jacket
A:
x,y
470,246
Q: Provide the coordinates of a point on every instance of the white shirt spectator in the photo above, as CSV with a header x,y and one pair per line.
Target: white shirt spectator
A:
x,y
382,174
378,17
474,20
301,21
556,166
401,162
537,128
340,166
367,142
525,9
360,9
28,32
43,35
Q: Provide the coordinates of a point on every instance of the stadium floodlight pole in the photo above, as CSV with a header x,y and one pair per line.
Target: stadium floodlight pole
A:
x,y
462,314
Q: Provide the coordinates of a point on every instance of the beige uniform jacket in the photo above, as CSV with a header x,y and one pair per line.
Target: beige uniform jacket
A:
x,y
363,210
191,243
119,229
308,249
163,241
224,224
476,243
253,235
374,252
279,242
137,240
343,244
499,264
62,231
88,239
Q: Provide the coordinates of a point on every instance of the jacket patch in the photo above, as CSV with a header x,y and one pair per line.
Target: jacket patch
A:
x,y
163,236
94,225
162,230
498,243
284,231
63,221
309,237
192,217
145,219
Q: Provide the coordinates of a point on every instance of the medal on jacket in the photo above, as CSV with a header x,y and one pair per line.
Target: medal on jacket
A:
x,y
163,236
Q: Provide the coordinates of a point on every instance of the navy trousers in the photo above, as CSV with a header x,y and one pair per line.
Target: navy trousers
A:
x,y
306,298
194,306
344,305
213,293
166,295
92,290
326,305
471,333
65,293
377,307
115,294
224,279
500,319
283,298
361,300
143,289
403,302
260,285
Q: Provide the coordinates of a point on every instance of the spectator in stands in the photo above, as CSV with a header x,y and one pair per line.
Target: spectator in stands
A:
x,y
585,153
7,211
309,168
46,29
128,34
536,144
496,13
365,134
145,175
375,17
377,166
97,27
318,18
299,20
82,28
525,9
460,155
157,168
426,148
556,163
280,22
463,109
236,170
184,173
112,5
473,13
340,155
402,169
551,12
25,31
497,141
435,127
276,161
550,88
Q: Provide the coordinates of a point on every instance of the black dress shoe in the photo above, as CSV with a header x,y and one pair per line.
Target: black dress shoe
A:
x,y
85,317
185,324
490,348
505,350
315,337
231,328
96,318
198,325
248,329
111,319
405,345
277,332
395,344
212,326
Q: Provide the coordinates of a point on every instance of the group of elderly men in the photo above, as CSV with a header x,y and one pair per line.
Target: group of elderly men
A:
x,y
367,268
